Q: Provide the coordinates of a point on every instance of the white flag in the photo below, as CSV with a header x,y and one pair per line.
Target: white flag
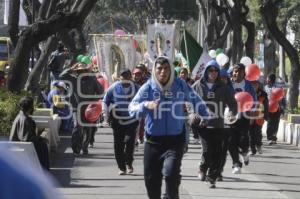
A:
x,y
199,68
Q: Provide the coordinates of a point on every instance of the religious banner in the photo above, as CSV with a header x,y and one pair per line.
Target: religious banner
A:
x,y
114,53
161,39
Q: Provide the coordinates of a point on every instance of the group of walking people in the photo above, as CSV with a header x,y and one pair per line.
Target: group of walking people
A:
x,y
161,109
166,101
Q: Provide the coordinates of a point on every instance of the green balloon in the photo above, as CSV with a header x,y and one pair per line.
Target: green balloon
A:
x,y
86,60
79,57
219,50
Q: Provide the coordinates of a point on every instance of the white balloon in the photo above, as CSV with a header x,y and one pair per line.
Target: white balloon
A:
x,y
222,59
246,61
212,54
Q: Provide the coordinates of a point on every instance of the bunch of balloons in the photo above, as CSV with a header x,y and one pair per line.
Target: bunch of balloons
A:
x,y
84,59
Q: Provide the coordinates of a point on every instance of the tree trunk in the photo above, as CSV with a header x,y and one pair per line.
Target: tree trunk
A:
x,y
13,21
237,43
250,43
34,77
38,32
43,10
269,12
19,68
270,63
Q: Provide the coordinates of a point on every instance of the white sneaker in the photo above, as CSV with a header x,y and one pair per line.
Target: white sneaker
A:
x,y
121,173
236,170
196,141
246,157
259,150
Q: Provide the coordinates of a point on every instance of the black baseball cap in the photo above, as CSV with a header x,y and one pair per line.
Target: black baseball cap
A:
x,y
239,66
125,71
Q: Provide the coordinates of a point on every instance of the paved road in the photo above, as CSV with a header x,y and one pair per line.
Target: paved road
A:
x,y
274,174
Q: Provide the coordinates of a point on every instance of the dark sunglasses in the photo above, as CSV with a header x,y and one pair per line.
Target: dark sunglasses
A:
x,y
213,70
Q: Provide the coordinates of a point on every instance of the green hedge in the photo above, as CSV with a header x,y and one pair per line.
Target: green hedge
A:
x,y
8,109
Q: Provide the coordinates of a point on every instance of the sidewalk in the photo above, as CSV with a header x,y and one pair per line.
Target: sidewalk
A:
x,y
275,174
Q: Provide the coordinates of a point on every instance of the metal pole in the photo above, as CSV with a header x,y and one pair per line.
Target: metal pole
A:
x,y
32,51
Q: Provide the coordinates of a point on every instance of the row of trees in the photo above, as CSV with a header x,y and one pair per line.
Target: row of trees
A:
x,y
65,20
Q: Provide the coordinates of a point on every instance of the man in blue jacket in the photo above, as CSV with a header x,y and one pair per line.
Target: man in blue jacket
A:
x,y
161,102
119,95
239,139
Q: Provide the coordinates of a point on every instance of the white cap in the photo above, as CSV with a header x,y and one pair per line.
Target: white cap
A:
x,y
62,85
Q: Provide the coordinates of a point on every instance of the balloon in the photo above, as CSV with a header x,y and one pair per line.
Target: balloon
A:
x,y
135,44
244,100
246,61
222,59
79,57
252,72
86,60
94,60
104,83
273,106
277,94
93,111
212,54
120,32
219,51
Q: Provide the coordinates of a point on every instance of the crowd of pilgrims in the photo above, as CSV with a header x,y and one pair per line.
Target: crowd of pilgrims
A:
x,y
128,106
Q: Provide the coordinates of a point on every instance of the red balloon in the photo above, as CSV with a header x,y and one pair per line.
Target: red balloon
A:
x,y
273,106
94,60
93,111
104,83
135,44
277,94
244,101
252,72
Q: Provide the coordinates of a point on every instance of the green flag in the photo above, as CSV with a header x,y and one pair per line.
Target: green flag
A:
x,y
190,49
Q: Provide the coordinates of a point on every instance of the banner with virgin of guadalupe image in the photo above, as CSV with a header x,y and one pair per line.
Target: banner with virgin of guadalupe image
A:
x,y
162,39
114,53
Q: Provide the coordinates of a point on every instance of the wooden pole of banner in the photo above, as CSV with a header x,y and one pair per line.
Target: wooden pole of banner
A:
x,y
185,45
112,24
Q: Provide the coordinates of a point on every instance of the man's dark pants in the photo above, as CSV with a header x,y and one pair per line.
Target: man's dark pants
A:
x,y
272,126
239,140
162,157
212,152
124,140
